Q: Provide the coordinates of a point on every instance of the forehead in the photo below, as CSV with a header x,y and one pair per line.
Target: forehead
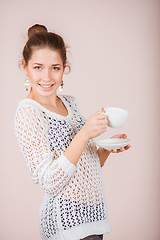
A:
x,y
45,55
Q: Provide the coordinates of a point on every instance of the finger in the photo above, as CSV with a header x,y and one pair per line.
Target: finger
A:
x,y
101,116
114,150
122,149
120,136
102,122
127,147
104,129
123,136
117,136
100,111
118,150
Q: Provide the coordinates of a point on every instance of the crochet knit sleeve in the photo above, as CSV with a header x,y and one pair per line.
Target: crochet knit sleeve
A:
x,y
52,172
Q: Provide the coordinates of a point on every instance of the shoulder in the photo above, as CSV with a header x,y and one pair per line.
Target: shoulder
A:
x,y
26,106
72,101
27,120
68,98
26,112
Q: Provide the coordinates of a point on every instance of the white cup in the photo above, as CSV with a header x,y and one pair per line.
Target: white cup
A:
x,y
116,116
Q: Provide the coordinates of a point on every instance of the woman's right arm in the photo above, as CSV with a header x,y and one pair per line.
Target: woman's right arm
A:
x,y
50,170
94,126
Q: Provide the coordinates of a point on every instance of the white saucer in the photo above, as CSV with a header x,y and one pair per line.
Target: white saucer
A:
x,y
113,143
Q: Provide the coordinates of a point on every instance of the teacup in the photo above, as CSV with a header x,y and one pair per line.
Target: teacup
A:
x,y
116,116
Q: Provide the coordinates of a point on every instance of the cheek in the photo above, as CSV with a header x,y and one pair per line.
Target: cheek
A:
x,y
58,77
34,77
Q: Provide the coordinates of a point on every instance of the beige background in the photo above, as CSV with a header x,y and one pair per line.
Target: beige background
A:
x,y
114,58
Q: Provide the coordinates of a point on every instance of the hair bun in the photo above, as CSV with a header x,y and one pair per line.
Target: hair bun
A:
x,y
35,29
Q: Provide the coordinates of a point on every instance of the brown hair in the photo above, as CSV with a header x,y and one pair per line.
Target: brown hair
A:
x,y
39,37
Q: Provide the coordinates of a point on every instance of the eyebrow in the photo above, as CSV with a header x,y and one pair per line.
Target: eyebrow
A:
x,y
57,64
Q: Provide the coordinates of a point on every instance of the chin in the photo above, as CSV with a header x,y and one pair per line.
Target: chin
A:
x,y
47,93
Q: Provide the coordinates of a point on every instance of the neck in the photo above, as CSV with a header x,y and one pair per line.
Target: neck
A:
x,y
51,100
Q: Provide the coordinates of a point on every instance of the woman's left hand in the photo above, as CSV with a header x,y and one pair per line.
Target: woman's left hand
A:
x,y
121,149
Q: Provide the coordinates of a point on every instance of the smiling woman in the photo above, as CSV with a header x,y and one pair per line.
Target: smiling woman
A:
x,y
45,70
58,146
44,62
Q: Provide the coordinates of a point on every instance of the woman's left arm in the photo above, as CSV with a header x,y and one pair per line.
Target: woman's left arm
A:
x,y
104,154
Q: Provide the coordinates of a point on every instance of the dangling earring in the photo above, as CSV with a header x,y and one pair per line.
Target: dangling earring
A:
x,y
61,86
26,83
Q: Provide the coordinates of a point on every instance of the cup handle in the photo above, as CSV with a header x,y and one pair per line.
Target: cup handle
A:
x,y
104,112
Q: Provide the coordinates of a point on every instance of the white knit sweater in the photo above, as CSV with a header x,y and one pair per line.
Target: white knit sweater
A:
x,y
74,204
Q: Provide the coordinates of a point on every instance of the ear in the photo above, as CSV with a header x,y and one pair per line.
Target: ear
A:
x,y
24,66
65,70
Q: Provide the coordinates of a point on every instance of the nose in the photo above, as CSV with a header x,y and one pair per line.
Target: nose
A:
x,y
46,76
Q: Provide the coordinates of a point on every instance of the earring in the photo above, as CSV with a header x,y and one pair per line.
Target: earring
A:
x,y
26,83
61,86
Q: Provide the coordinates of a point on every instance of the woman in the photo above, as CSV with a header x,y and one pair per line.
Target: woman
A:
x,y
58,147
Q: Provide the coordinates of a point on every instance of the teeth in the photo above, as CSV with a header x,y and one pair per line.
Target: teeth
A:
x,y
46,86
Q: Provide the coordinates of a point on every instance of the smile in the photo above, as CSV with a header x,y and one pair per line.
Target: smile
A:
x,y
46,86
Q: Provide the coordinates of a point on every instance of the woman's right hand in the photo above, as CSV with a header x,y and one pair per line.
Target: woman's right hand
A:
x,y
95,125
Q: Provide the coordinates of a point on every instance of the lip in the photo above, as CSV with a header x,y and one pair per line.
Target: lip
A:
x,y
46,84
44,88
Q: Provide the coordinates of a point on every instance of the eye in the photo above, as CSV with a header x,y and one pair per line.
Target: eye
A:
x,y
37,67
56,68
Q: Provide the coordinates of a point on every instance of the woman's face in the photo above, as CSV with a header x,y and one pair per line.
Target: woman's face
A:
x,y
45,71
